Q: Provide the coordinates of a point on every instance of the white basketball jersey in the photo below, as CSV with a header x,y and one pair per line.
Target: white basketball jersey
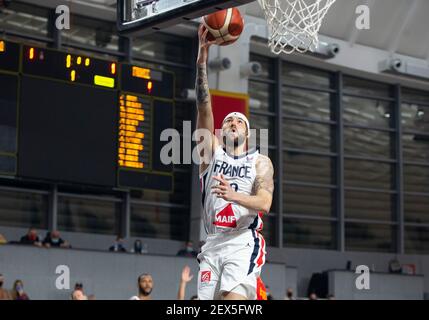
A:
x,y
224,216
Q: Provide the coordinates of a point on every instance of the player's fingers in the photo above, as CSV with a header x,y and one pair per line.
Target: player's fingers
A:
x,y
216,191
220,179
200,30
204,36
209,43
206,31
221,187
217,179
219,193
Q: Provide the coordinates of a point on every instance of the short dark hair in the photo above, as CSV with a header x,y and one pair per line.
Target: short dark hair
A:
x,y
142,276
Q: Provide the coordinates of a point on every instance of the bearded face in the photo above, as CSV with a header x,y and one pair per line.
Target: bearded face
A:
x,y
146,285
234,132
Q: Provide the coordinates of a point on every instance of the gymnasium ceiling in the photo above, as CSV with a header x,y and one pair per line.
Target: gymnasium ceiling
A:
x,y
397,26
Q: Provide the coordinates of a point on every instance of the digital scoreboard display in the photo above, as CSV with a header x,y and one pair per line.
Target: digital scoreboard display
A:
x,y
9,67
146,109
9,56
134,132
66,132
75,119
69,67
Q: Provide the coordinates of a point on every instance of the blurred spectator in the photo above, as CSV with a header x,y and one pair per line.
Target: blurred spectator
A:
x,y
289,294
184,279
4,3
118,246
145,285
139,247
4,294
53,239
18,291
312,296
78,293
2,239
188,251
78,286
269,295
31,238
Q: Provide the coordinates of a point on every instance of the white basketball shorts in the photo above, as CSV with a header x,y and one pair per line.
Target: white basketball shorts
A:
x,y
231,262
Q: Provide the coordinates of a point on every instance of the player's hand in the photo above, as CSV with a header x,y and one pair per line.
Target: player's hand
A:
x,y
204,44
223,189
186,274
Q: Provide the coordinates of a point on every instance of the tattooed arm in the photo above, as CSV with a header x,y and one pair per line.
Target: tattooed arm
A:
x,y
263,188
207,142
204,105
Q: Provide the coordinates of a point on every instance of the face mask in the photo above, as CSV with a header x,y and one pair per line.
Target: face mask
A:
x,y
18,288
1,284
55,240
189,249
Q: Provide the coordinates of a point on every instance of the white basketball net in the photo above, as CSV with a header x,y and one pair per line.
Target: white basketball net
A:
x,y
294,24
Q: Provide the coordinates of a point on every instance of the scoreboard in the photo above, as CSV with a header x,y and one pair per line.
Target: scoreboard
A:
x,y
145,109
9,62
70,118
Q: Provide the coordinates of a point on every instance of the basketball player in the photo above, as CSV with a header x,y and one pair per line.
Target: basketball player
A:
x,y
237,189
145,285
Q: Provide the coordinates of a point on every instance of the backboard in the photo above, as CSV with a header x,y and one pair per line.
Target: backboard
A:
x,y
138,17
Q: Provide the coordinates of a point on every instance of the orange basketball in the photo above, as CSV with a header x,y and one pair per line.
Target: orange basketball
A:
x,y
224,26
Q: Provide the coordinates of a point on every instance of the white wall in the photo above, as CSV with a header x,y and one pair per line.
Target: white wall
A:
x,y
108,275
309,261
300,263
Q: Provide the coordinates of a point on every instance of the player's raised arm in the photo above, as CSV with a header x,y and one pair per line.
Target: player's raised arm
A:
x,y
205,112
